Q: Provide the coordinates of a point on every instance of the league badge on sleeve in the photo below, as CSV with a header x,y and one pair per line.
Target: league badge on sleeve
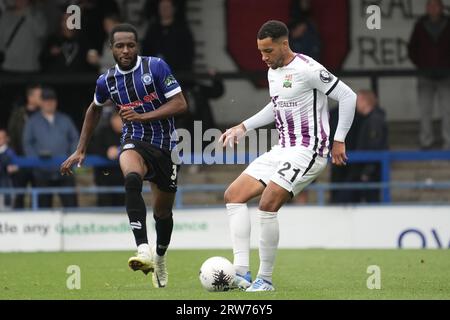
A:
x,y
325,76
170,81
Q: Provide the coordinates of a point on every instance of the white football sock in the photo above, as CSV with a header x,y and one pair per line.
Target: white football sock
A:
x,y
239,218
268,243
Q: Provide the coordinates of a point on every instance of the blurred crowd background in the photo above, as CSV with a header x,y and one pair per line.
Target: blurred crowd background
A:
x,y
48,73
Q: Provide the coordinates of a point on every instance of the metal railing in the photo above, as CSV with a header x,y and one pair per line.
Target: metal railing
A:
x,y
320,189
384,158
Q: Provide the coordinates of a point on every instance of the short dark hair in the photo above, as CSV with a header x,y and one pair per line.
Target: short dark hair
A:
x,y
48,94
123,27
30,88
273,29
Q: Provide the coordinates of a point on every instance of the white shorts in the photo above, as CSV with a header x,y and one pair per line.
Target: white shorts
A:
x,y
292,168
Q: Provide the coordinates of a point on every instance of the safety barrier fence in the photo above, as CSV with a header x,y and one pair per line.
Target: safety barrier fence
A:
x,y
384,158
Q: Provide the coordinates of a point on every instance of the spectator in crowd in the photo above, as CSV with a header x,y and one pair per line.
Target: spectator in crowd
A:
x,y
23,29
6,168
22,34
167,35
142,13
93,12
106,143
371,134
198,94
66,54
151,9
16,126
48,134
304,35
20,115
342,174
300,10
103,60
52,11
429,49
135,13
304,38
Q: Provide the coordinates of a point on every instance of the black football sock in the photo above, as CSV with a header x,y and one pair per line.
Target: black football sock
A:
x,y
136,210
164,229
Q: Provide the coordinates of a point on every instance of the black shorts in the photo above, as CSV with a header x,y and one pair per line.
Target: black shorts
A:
x,y
161,169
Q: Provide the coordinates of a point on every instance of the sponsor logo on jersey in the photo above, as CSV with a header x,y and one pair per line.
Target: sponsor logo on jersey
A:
x,y
128,146
131,105
325,76
170,80
287,83
146,78
287,104
152,96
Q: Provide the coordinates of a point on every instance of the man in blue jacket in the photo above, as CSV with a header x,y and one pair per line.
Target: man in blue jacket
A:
x,y
48,134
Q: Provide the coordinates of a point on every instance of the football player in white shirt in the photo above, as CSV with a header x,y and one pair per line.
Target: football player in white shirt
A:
x,y
299,87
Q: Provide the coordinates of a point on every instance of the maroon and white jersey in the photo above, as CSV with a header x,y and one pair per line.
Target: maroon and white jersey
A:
x,y
299,93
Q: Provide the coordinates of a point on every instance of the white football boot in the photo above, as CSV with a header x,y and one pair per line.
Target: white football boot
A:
x,y
142,261
160,276
242,282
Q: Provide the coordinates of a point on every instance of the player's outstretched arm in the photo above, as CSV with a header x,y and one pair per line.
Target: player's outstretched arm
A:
x,y
176,105
233,135
90,122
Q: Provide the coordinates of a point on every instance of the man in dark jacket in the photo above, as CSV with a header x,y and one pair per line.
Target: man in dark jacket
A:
x,y
341,174
372,135
167,36
199,92
368,132
429,49
16,125
20,115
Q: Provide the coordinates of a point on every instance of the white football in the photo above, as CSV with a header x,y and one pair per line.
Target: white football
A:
x,y
217,274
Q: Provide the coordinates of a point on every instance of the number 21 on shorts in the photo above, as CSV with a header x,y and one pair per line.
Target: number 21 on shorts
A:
x,y
287,166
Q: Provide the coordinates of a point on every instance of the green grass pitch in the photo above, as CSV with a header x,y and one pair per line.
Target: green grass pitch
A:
x,y
299,274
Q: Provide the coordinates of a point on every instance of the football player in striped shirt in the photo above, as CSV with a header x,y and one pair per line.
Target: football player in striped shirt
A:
x,y
148,97
299,88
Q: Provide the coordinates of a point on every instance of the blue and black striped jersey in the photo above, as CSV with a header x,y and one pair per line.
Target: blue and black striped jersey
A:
x,y
144,88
